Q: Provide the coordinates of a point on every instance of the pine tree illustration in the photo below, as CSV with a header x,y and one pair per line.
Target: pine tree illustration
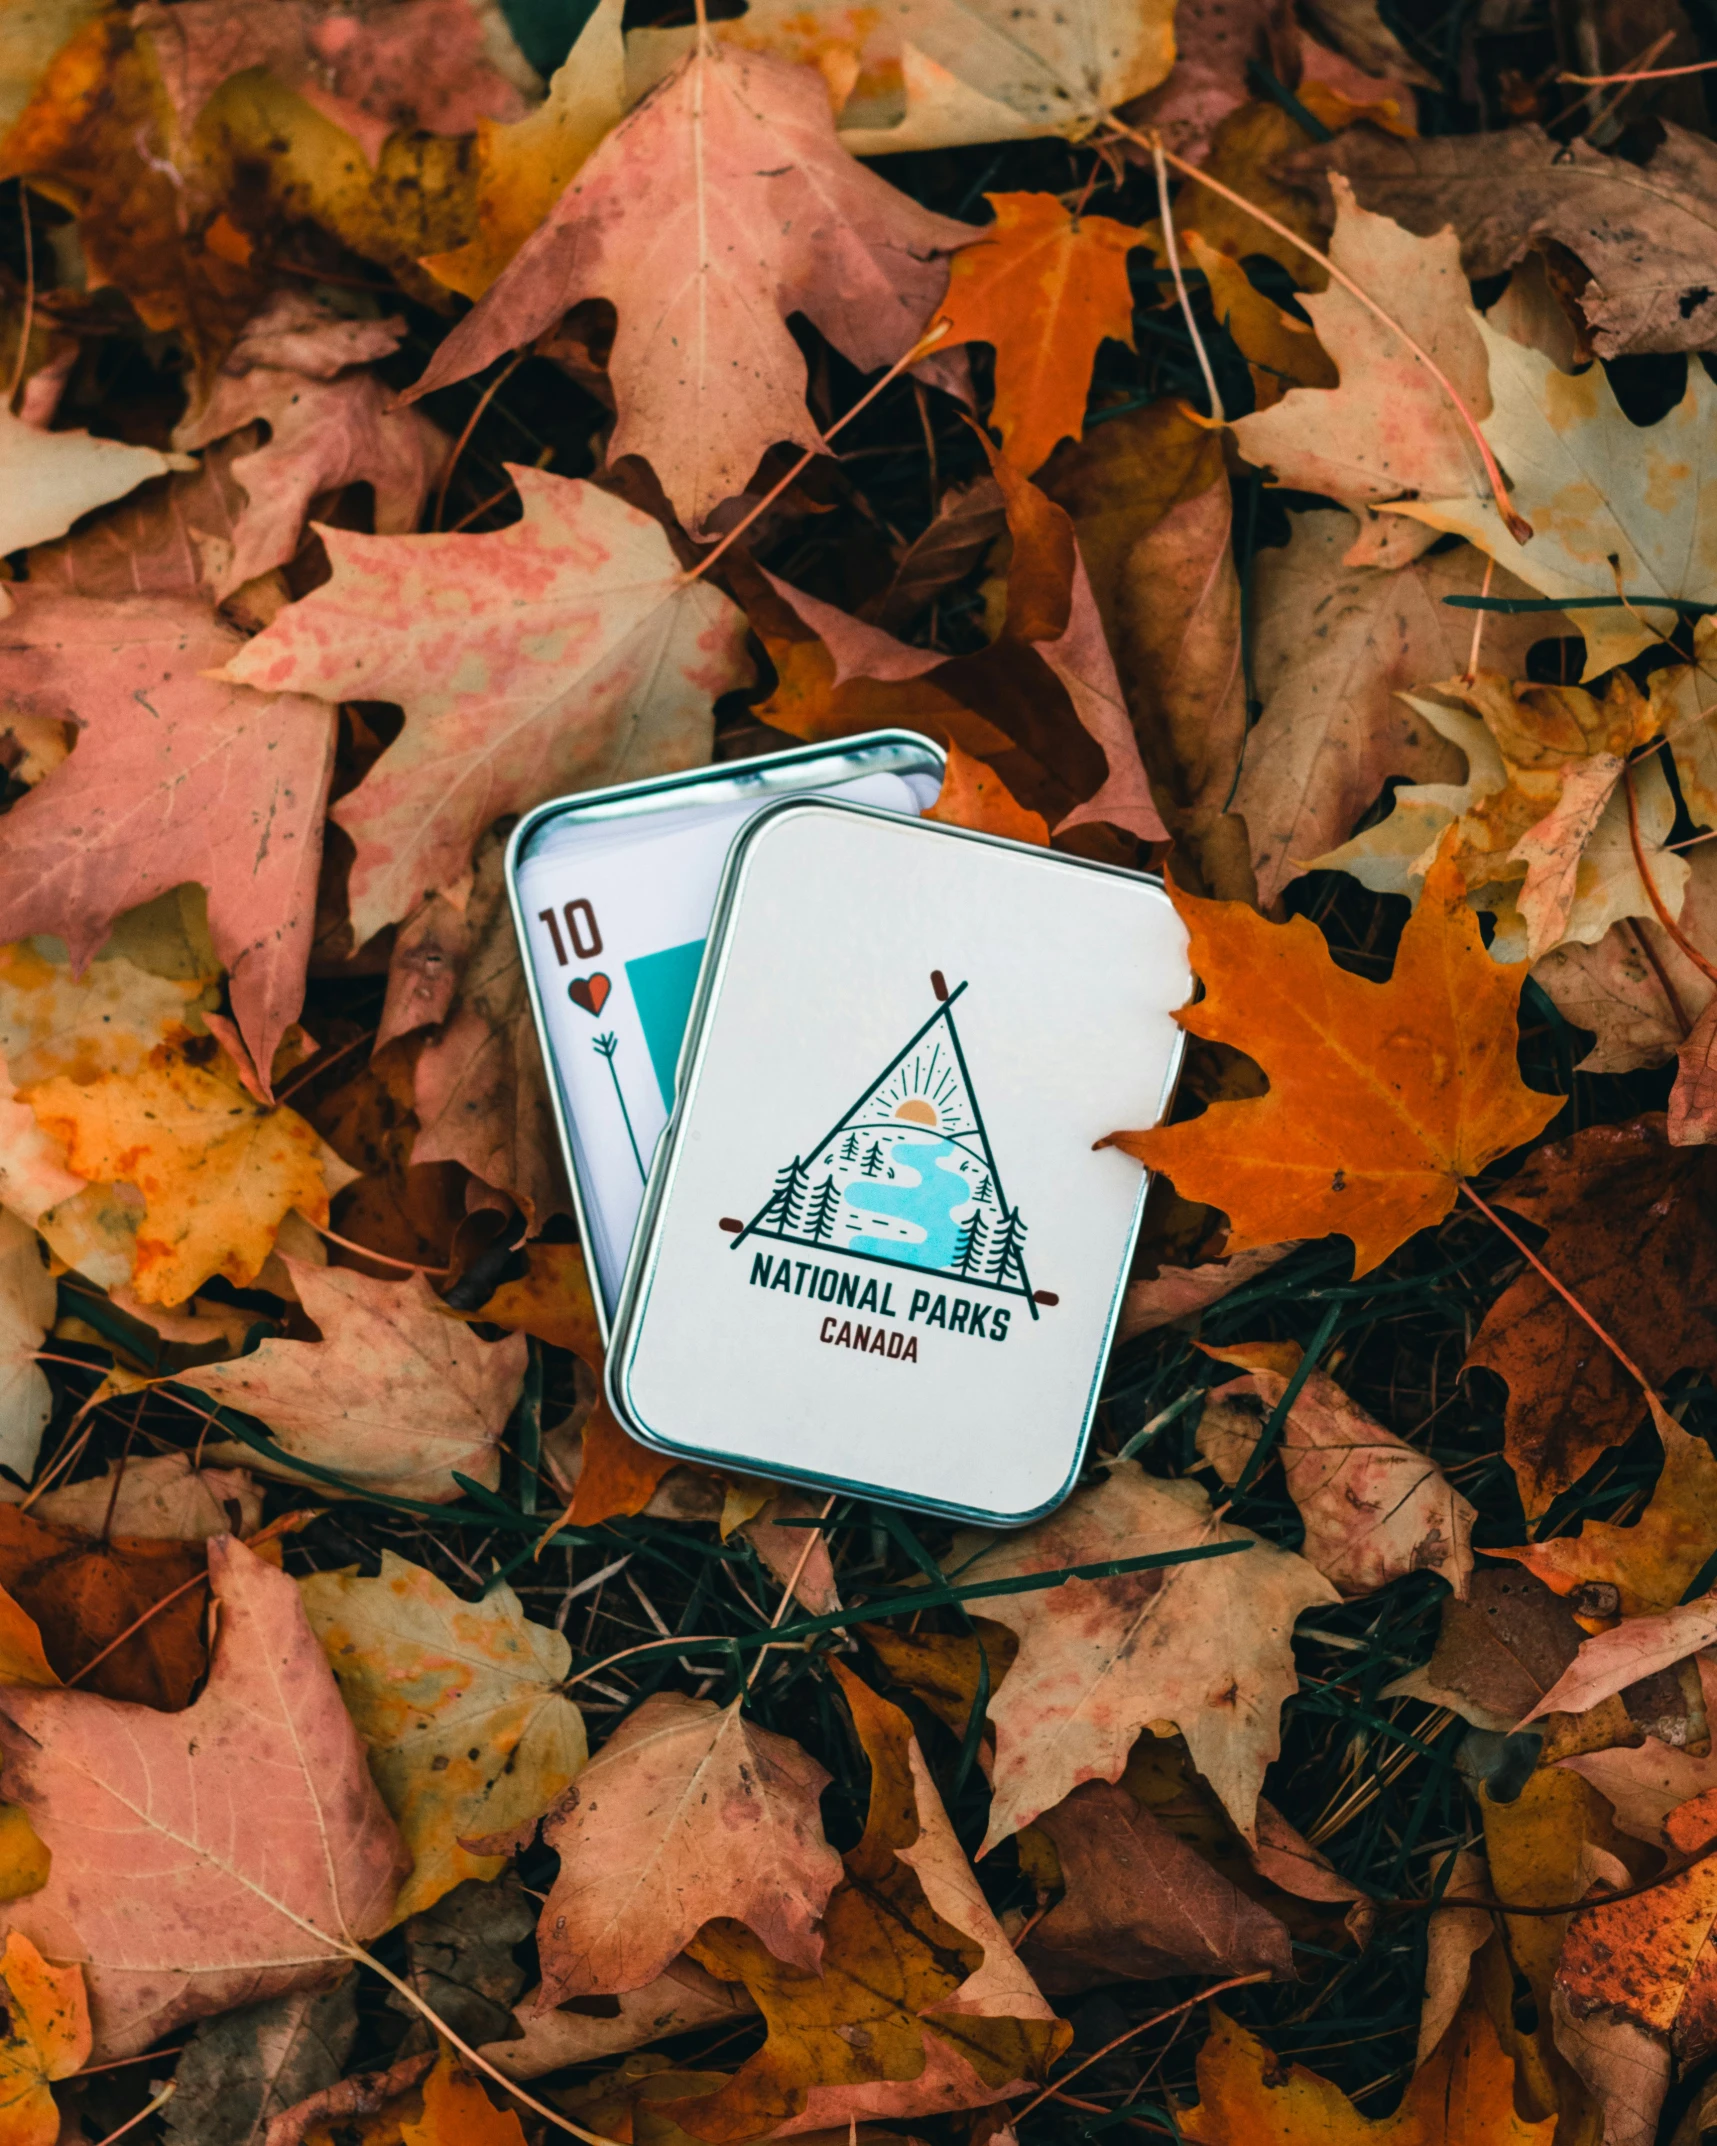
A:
x,y
983,1192
786,1202
872,1163
1007,1242
820,1215
969,1253
849,1147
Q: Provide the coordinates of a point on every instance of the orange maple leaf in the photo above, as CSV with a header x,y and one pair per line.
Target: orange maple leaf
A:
x,y
1383,1096
1045,287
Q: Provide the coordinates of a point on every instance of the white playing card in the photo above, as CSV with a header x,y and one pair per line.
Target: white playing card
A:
x,y
616,912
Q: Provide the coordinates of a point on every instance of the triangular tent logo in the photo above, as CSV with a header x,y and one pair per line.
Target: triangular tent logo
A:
x,y
907,1177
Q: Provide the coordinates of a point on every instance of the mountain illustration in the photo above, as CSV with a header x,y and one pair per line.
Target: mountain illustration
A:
x,y
907,1176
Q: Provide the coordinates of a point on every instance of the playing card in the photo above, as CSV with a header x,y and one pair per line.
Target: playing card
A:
x,y
615,912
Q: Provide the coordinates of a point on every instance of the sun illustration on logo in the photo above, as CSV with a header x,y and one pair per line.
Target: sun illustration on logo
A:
x,y
907,1177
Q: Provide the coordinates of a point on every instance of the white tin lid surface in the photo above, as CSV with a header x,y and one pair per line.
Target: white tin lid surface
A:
x,y
880,1251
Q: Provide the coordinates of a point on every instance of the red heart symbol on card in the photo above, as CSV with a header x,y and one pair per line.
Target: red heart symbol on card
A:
x,y
590,992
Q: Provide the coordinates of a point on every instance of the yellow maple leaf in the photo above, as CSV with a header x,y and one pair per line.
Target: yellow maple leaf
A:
x,y
46,2036
218,1171
468,1734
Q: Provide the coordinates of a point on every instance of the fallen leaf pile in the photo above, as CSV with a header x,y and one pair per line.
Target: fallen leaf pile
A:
x,y
1264,443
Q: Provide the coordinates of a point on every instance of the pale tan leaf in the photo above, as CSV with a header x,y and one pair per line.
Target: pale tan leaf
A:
x,y
1205,1645
688,1813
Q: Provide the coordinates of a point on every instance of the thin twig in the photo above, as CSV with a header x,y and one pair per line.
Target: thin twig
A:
x,y
1668,922
813,1536
483,401
1655,74
1479,617
1167,213
386,1259
927,342
1156,2019
1518,526
29,296
131,2122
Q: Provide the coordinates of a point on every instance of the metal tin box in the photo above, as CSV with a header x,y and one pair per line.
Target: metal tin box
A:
x,y
611,894
879,1250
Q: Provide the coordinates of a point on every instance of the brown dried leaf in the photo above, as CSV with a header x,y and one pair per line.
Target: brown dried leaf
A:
x,y
688,1813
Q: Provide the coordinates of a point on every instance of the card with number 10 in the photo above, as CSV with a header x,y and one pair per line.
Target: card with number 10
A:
x,y
613,895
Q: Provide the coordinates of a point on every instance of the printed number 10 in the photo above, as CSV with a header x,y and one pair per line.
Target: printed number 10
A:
x,y
580,929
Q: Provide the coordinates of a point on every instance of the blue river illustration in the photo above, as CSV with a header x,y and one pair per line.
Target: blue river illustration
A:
x,y
927,1190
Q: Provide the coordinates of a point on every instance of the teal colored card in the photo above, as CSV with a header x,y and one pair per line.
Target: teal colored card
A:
x,y
662,987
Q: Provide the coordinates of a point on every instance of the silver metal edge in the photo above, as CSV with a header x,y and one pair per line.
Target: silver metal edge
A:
x,y
640,1264
580,801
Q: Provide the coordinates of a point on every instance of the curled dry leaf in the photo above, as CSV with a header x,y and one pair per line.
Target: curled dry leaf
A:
x,y
1637,1647
921,2006
175,776
1206,1645
1427,1091
689,1813
720,205
1374,1508
177,1901
327,426
1636,990
394,1398
565,651
458,1703
1542,834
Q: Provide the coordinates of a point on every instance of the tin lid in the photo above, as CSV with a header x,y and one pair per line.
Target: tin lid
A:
x,y
879,1250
